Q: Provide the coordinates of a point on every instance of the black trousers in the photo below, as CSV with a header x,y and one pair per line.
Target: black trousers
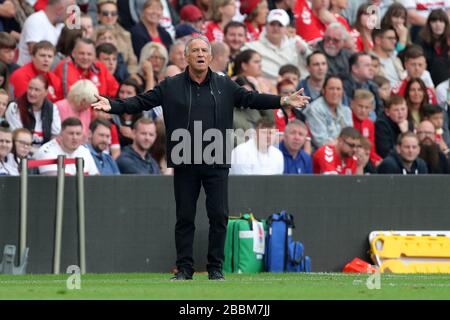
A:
x,y
187,184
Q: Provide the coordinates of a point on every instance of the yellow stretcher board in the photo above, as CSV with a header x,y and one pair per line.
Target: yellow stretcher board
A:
x,y
411,251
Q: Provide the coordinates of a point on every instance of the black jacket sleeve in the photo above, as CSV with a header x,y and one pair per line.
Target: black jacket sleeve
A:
x,y
254,100
136,104
383,138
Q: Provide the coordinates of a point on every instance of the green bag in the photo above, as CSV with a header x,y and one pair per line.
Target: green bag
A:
x,y
244,245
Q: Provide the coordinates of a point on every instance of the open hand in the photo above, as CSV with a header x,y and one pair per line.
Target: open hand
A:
x,y
102,104
297,100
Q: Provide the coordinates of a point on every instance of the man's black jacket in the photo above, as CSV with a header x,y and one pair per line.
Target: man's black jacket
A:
x,y
174,95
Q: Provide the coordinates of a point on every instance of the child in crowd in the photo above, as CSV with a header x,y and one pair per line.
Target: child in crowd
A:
x,y
4,99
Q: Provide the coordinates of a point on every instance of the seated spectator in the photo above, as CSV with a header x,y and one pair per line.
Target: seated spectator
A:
x,y
248,63
158,150
152,64
390,124
436,160
338,158
435,114
415,65
296,159
274,39
41,61
416,96
108,16
219,14
289,72
87,26
42,25
442,94
255,17
4,77
333,46
235,35
362,105
192,15
384,41
364,164
362,29
83,65
149,28
176,55
22,142
65,44
107,54
396,17
68,143
246,118
384,91
361,77
317,66
136,159
4,100
405,158
114,145
326,116
286,113
7,51
221,57
258,156
313,19
287,6
99,138
8,166
35,112
78,104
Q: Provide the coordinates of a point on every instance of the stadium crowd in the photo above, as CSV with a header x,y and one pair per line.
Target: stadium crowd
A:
x,y
377,72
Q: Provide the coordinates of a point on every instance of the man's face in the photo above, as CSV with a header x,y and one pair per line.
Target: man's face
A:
x,y
348,146
361,108
415,67
265,137
235,38
318,67
108,14
375,66
36,92
292,77
177,56
84,55
126,91
275,31
388,41
397,112
385,91
223,59
144,136
5,144
101,138
409,149
198,55
362,156
7,55
362,70
333,42
43,59
109,60
426,133
333,92
23,144
295,137
71,138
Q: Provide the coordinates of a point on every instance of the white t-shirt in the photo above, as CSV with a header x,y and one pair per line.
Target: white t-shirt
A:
x,y
12,115
9,166
52,149
247,159
424,7
36,28
442,92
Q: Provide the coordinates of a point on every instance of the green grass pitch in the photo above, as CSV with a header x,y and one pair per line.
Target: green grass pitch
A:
x,y
288,286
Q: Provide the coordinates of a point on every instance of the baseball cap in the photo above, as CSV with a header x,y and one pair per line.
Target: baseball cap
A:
x,y
185,29
278,15
190,13
247,6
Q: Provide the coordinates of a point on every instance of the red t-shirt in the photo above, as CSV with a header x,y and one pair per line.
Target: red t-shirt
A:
x,y
252,32
279,119
401,88
98,73
359,45
367,130
21,77
213,31
326,160
308,25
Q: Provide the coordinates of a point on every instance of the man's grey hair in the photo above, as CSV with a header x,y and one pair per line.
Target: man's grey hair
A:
x,y
295,122
203,38
338,26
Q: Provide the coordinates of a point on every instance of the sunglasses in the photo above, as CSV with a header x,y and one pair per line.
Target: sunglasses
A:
x,y
109,13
